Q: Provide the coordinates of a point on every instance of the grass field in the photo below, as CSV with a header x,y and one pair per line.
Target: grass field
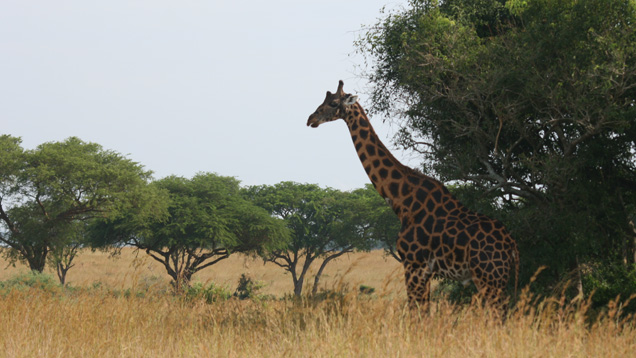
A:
x,y
131,268
94,322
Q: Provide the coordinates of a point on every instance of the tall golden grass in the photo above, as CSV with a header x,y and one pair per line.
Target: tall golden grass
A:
x,y
89,324
93,322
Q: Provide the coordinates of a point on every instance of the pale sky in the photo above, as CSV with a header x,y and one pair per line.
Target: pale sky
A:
x,y
190,86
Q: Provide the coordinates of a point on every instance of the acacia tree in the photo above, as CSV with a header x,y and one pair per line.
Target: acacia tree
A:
x,y
61,256
376,218
324,225
533,102
207,220
46,192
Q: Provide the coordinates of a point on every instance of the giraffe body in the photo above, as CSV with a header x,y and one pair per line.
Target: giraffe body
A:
x,y
439,236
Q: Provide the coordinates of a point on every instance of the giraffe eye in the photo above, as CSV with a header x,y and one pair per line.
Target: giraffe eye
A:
x,y
333,104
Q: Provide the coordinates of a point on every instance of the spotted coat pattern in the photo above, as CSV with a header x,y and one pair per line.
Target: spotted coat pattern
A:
x,y
439,236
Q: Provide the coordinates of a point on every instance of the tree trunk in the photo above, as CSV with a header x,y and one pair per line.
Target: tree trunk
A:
x,y
36,265
579,278
61,272
63,260
630,251
314,290
181,279
298,283
180,282
36,258
393,253
629,237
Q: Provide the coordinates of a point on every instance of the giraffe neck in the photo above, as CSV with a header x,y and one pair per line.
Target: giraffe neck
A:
x,y
394,181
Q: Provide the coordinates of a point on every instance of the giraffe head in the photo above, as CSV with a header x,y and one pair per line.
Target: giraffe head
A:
x,y
334,107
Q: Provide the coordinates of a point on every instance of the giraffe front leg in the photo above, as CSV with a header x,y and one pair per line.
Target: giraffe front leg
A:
x,y
418,285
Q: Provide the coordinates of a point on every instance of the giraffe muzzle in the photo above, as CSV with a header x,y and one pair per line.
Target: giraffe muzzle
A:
x,y
311,122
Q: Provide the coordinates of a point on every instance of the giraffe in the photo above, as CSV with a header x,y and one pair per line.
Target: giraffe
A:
x,y
439,236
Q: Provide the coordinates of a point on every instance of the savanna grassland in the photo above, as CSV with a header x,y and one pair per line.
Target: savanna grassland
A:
x,y
133,268
120,308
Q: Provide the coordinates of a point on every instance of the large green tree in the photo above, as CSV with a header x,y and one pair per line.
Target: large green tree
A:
x,y
207,220
325,224
534,103
46,193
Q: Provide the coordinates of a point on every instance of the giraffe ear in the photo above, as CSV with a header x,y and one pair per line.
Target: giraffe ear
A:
x,y
350,100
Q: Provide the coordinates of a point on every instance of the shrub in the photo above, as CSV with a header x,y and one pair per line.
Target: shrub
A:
x,y
248,288
210,293
454,292
31,280
607,282
366,290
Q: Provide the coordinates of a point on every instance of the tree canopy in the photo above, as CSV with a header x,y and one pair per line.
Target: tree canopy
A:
x,y
48,192
376,218
207,220
533,103
325,224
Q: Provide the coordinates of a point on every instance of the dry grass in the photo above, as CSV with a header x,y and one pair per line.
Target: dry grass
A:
x,y
131,267
97,323
89,324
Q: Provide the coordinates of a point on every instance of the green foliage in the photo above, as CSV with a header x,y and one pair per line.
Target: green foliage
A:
x,y
49,193
31,280
12,159
376,218
208,211
210,293
303,207
324,224
206,220
608,282
516,7
454,292
248,288
533,103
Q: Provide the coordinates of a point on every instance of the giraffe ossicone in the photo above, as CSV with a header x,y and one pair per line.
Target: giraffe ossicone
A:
x,y
439,235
